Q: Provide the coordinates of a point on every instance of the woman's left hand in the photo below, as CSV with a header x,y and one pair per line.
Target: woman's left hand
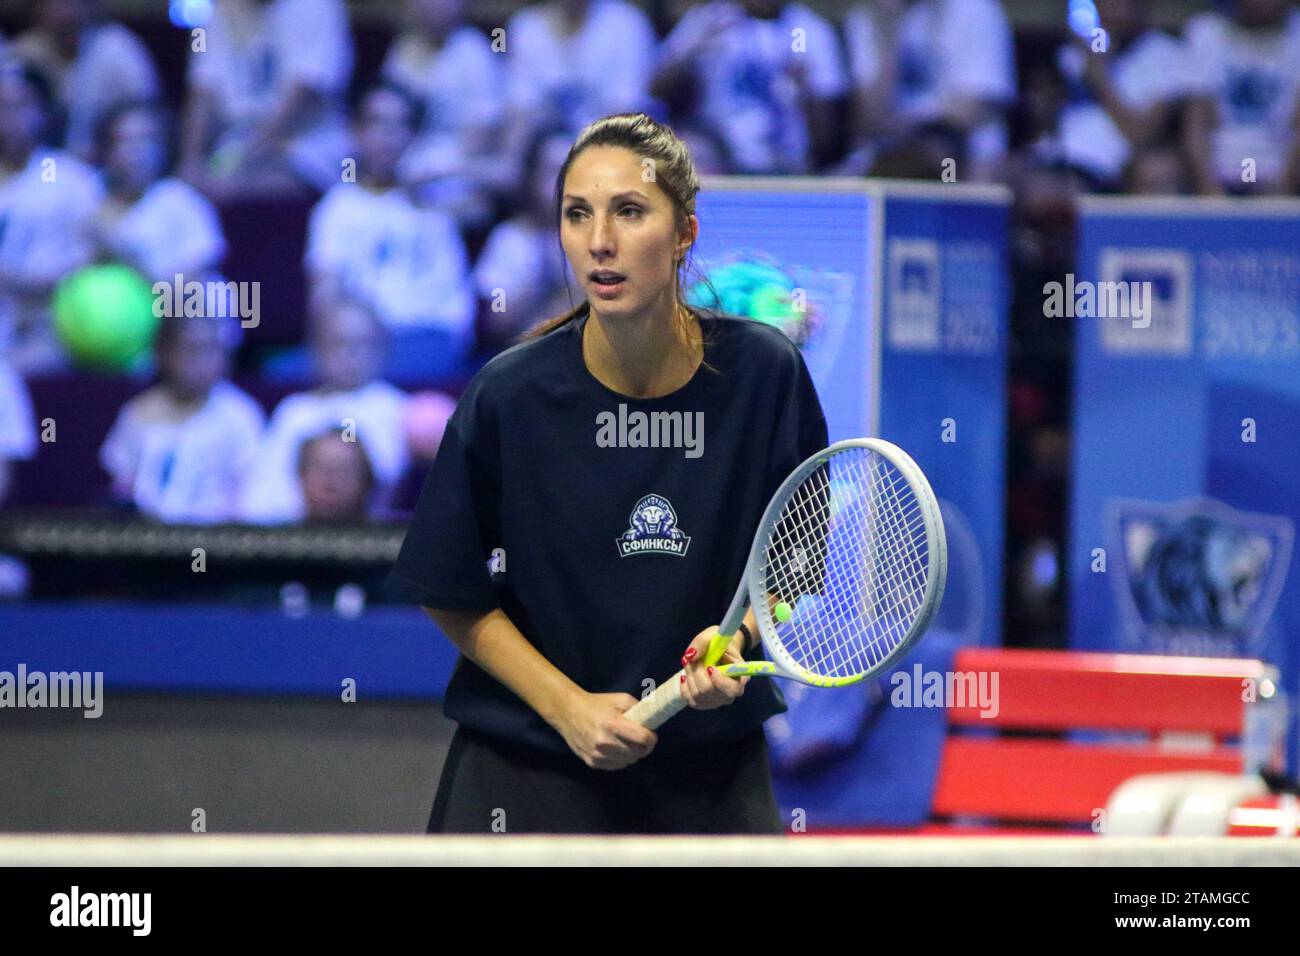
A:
x,y
707,688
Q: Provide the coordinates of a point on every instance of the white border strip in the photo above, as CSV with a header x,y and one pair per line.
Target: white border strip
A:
x,y
886,188
1244,208
540,850
940,192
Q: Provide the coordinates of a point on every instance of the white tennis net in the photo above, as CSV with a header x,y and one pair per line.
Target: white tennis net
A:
x,y
543,850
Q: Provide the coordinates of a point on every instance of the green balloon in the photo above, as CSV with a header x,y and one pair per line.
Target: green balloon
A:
x,y
104,316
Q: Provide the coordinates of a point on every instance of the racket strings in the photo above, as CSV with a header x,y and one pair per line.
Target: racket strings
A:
x,y
895,575
891,582
902,579
834,657
829,651
816,652
852,538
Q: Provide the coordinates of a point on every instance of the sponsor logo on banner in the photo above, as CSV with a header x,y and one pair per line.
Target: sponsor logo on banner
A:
x,y
915,312
943,296
1195,576
1166,328
1248,306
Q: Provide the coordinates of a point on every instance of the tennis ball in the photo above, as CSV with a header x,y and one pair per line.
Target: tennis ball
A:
x,y
104,316
782,611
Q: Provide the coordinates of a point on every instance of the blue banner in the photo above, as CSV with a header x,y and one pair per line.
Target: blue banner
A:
x,y
897,294
944,297
1187,429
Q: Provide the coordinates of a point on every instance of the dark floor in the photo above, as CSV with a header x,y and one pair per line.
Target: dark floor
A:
x,y
150,764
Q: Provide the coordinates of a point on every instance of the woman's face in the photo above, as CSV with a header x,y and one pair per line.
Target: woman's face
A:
x,y
612,220
333,476
349,348
22,118
196,359
383,132
136,151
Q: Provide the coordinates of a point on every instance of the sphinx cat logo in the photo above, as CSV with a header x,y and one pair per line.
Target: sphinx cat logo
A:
x,y
1197,577
652,529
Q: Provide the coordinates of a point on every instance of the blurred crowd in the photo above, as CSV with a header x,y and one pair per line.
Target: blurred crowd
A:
x,y
426,177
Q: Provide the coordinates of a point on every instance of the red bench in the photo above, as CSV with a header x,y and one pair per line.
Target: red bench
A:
x,y
1192,713
1019,772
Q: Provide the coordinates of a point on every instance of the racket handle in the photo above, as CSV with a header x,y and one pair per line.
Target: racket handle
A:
x,y
667,698
657,707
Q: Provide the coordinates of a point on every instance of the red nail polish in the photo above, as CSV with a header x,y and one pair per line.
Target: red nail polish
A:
x,y
710,671
683,680
690,654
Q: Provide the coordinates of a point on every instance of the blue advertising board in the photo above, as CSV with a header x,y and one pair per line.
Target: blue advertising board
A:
x,y
897,294
902,295
1187,430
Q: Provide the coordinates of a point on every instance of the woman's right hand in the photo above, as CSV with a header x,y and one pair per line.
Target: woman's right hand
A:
x,y
595,729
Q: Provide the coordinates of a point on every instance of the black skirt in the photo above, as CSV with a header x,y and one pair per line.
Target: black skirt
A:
x,y
492,786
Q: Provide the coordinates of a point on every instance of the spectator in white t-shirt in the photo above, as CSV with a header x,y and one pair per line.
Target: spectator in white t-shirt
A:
x,y
1243,76
918,62
347,344
93,65
264,110
17,425
159,225
571,62
48,201
765,76
1123,87
368,240
17,443
179,451
520,273
450,66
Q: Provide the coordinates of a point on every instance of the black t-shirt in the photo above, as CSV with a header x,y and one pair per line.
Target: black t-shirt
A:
x,y
548,499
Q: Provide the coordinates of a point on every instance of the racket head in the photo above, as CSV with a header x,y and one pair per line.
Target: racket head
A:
x,y
854,544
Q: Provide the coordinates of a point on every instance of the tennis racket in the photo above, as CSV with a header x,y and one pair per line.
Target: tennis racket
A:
x,y
846,571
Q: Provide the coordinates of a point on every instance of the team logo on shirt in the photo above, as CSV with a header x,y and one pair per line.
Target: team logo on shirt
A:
x,y
653,530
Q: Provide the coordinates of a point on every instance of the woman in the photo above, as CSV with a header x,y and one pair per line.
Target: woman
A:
x,y
521,262
568,550
158,224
